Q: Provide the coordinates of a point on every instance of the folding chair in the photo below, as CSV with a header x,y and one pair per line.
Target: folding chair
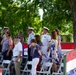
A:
x,y
60,68
25,58
26,70
46,68
6,67
42,70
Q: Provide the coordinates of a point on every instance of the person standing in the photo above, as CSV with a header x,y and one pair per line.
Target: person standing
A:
x,y
45,40
17,54
31,36
54,51
20,34
0,43
5,29
59,43
7,45
37,37
36,54
3,34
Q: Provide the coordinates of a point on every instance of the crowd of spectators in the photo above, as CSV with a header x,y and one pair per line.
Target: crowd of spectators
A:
x,y
44,47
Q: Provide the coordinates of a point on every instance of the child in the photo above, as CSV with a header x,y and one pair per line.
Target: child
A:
x,y
36,54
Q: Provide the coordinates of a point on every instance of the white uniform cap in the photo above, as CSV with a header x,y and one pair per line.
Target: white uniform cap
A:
x,y
30,28
45,28
5,27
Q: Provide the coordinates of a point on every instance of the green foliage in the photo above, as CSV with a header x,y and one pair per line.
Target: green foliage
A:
x,y
57,13
20,14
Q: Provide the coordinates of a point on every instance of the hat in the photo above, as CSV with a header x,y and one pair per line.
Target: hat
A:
x,y
30,28
45,28
5,27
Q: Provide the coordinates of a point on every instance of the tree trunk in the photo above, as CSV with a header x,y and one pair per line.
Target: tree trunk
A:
x,y
73,7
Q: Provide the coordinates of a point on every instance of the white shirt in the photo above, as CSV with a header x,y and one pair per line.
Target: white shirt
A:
x,y
17,49
31,36
46,38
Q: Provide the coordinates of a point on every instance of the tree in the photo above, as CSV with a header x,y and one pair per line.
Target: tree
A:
x,y
20,14
73,7
57,14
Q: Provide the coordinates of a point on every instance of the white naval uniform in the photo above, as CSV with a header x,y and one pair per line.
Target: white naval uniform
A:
x,y
31,36
46,38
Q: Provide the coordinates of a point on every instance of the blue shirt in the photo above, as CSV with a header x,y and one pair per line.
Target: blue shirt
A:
x,y
34,51
40,44
5,45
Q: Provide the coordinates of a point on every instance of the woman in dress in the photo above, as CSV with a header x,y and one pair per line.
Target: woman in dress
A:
x,y
59,43
54,50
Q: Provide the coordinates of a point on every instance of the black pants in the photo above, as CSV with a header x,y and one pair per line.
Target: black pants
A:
x,y
0,48
29,57
5,57
29,54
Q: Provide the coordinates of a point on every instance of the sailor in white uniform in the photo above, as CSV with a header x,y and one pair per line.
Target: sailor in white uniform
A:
x,y
46,38
30,35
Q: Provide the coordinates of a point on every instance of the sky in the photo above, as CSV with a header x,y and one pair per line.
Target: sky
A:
x,y
41,13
